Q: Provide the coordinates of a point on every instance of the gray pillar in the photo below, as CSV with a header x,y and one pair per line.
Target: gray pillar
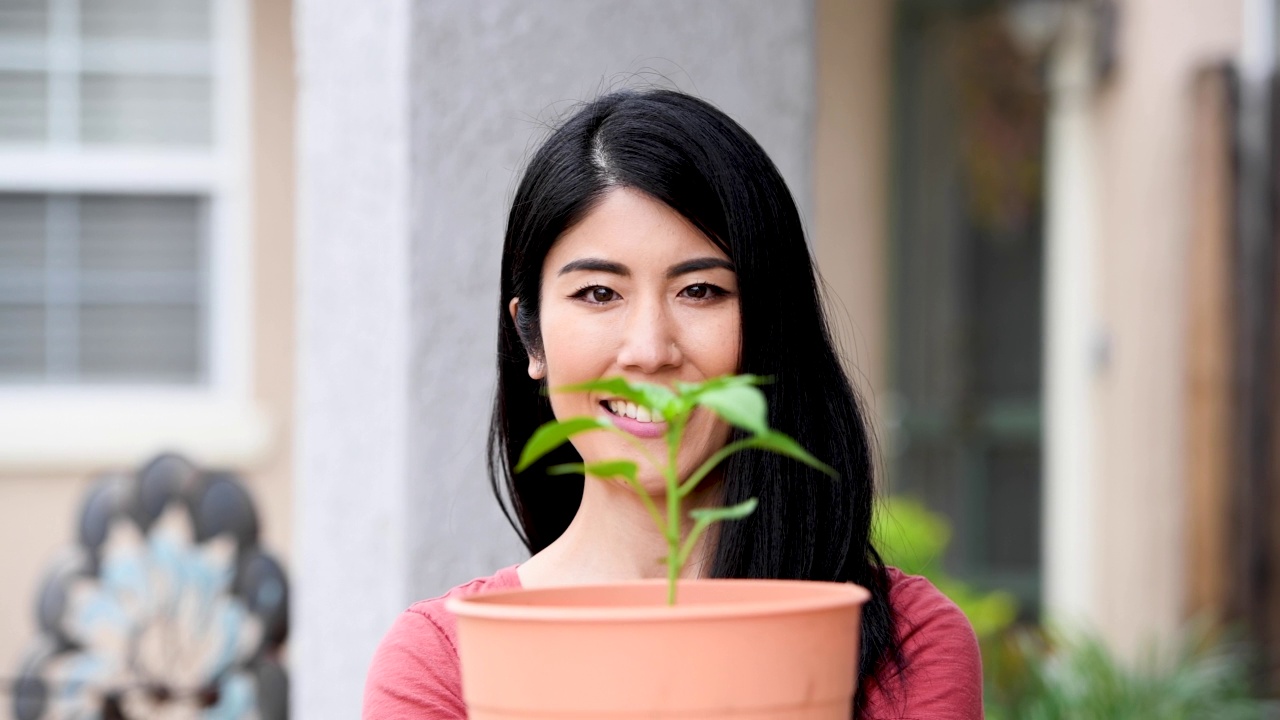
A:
x,y
352,530
413,121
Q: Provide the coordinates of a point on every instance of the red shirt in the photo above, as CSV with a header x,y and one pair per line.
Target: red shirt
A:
x,y
415,673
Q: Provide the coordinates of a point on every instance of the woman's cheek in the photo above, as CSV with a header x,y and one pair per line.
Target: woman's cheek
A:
x,y
710,437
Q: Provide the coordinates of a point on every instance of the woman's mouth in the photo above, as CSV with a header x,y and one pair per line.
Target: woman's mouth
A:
x,y
635,419
623,408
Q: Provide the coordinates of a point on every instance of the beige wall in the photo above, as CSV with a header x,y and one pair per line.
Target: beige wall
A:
x,y
851,179
39,504
1143,128
36,519
273,232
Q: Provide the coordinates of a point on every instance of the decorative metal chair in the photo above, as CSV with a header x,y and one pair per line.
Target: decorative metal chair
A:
x,y
166,607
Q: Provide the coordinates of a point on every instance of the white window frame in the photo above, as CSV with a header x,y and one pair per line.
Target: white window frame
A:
x,y
73,427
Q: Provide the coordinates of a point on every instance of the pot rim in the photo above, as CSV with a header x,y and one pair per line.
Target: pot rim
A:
x,y
811,596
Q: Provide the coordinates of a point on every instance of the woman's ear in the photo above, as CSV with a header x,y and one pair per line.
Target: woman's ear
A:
x,y
537,368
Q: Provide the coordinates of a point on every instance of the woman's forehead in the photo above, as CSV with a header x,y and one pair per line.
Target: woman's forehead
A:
x,y
629,226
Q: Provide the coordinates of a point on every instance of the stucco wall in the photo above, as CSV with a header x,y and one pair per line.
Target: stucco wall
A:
x,y
488,79
413,119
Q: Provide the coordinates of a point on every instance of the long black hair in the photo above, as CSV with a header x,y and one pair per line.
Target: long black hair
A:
x,y
687,154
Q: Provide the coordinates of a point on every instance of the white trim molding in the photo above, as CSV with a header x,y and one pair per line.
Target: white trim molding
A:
x,y
108,170
74,431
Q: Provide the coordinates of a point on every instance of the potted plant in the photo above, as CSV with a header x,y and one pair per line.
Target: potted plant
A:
x,y
757,649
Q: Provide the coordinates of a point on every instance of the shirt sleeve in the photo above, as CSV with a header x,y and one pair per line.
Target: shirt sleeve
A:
x,y
942,675
414,674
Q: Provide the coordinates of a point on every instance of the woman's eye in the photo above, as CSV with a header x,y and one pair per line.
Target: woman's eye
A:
x,y
702,291
597,294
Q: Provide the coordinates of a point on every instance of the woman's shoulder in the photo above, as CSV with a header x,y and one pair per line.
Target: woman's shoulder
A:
x,y
415,670
433,609
942,662
915,598
926,618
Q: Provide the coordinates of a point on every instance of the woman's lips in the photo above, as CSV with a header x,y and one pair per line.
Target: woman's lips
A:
x,y
646,430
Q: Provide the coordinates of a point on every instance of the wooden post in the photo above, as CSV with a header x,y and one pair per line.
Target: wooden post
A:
x,y
1210,391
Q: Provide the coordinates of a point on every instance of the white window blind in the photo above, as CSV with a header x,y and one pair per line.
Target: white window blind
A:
x,y
100,288
104,285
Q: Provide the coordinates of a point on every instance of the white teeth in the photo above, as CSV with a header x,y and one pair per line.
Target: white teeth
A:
x,y
633,411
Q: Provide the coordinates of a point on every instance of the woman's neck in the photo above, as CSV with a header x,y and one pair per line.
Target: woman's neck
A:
x,y
614,538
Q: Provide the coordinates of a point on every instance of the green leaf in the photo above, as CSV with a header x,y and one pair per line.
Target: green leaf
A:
x,y
739,405
554,434
694,389
654,397
736,512
783,445
614,385
607,470
705,517
567,469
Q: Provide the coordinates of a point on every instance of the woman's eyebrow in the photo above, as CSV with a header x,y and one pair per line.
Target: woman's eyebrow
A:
x,y
697,264
595,264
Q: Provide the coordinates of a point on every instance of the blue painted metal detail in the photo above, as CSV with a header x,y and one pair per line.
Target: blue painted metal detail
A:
x,y
165,607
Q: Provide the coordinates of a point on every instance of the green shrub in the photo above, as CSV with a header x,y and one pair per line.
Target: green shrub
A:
x,y
913,539
1034,674
1039,675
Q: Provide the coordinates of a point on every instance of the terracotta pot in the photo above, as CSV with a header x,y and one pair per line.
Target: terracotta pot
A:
x,y
741,649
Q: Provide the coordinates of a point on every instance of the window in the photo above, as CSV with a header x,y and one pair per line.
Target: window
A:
x,y
123,232
102,288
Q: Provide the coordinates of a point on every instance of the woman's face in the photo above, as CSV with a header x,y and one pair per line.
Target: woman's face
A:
x,y
635,290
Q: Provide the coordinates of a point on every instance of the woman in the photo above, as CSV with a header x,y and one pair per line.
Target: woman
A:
x,y
652,238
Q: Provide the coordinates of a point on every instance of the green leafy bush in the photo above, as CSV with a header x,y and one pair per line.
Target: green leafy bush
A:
x,y
1056,675
1034,674
913,539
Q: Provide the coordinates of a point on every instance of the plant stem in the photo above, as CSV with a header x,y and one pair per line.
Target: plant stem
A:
x,y
703,470
673,506
687,548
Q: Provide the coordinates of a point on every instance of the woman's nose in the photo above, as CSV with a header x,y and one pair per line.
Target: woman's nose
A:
x,y
650,344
